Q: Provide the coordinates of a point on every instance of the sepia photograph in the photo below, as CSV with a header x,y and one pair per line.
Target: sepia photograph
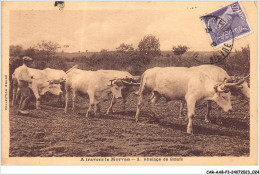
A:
x,y
129,83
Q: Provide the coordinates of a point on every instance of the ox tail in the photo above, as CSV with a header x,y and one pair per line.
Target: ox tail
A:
x,y
141,88
74,67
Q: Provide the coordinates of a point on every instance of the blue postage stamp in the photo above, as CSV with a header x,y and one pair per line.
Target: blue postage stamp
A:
x,y
227,23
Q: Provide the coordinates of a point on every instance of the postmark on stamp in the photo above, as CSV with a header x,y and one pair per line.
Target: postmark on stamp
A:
x,y
221,53
226,23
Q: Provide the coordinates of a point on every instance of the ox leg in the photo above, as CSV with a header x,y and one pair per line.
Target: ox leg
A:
x,y
96,109
91,103
73,100
89,109
125,94
59,100
191,108
113,101
37,96
38,103
66,100
154,99
207,117
182,102
218,118
139,105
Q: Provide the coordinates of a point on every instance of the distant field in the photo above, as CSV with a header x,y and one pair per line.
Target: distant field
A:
x,y
75,54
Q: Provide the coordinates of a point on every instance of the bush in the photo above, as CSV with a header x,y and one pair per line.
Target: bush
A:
x,y
149,45
180,49
57,63
238,62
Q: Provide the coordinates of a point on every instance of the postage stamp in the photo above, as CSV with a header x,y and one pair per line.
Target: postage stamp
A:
x,y
227,23
115,83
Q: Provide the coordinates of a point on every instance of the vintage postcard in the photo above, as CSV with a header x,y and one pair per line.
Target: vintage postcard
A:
x,y
129,83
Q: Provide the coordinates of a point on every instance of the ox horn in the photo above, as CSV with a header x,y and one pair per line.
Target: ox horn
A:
x,y
136,77
224,87
234,84
56,81
75,66
234,79
245,77
130,83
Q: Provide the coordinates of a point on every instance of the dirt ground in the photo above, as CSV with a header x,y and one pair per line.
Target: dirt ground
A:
x,y
49,132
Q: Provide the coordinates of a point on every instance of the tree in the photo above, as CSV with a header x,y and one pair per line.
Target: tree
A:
x,y
125,48
15,50
149,45
180,49
103,51
30,52
47,49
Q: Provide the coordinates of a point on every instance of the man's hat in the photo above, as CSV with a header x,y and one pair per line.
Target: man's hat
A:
x,y
26,58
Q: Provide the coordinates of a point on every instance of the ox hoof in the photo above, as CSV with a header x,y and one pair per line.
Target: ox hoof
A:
x,y
180,116
190,131
207,121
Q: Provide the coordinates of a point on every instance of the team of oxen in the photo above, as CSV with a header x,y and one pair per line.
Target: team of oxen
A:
x,y
205,82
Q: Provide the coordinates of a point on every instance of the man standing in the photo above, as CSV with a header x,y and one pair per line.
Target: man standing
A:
x,y
21,80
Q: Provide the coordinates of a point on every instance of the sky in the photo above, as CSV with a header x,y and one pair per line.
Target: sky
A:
x,y
94,30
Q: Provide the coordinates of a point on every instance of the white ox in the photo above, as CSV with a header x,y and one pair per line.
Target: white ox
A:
x,y
42,81
97,84
180,83
218,74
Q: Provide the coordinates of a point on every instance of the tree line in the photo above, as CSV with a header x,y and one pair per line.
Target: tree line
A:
x,y
124,57
45,50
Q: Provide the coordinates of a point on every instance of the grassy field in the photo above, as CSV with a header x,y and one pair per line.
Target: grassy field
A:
x,y
49,132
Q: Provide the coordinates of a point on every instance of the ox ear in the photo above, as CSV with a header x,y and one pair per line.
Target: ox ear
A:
x,y
110,83
118,83
221,88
